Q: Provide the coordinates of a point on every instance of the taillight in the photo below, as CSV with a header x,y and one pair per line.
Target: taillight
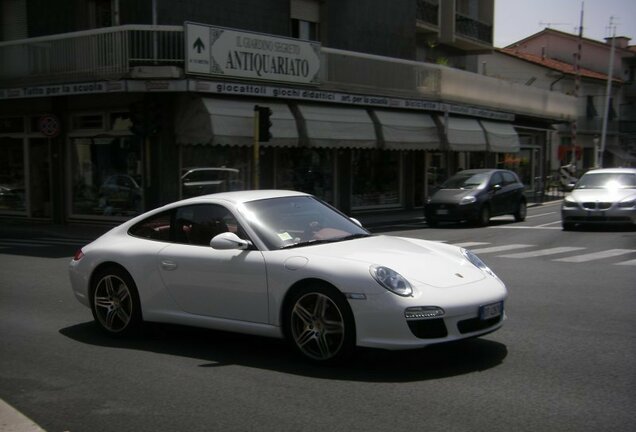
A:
x,y
78,255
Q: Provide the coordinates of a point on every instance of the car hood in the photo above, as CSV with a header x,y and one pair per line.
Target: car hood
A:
x,y
419,261
451,195
602,195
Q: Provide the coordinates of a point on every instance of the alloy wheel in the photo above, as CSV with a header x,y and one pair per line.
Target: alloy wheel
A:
x,y
317,326
113,303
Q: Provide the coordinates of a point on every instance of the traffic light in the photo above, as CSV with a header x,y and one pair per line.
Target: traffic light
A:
x,y
264,123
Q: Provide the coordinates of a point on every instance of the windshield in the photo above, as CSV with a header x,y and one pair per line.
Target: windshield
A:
x,y
607,181
466,181
298,221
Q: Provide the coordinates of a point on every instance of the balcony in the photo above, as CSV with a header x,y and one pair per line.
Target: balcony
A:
x,y
595,125
101,54
470,28
114,53
428,12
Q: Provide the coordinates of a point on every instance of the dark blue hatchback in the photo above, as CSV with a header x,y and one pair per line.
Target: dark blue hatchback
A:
x,y
475,196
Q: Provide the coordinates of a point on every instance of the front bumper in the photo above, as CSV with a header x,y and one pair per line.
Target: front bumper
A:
x,y
598,214
381,322
451,212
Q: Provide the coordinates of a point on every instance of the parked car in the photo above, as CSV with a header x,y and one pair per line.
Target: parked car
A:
x,y
284,264
475,196
120,193
203,181
602,197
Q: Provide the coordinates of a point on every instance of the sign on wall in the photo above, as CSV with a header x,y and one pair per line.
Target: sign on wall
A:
x,y
237,54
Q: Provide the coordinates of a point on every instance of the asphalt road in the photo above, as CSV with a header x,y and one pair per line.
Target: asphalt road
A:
x,y
564,360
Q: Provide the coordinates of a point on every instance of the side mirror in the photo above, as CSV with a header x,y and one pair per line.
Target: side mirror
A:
x,y
356,221
496,187
228,241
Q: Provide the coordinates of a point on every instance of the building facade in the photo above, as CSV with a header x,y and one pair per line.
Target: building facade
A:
x,y
110,108
597,109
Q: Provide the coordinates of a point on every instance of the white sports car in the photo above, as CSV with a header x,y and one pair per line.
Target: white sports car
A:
x,y
284,264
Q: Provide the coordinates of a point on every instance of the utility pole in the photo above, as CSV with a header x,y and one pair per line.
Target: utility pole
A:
x,y
608,93
577,84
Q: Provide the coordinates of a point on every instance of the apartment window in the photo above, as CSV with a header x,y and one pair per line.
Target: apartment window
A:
x,y
305,19
302,29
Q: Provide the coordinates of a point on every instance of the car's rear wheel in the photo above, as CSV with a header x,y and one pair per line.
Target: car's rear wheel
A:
x,y
115,301
319,324
522,210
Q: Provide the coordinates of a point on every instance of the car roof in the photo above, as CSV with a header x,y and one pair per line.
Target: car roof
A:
x,y
238,197
612,171
478,171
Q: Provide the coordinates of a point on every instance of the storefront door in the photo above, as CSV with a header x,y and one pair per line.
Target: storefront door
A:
x,y
39,178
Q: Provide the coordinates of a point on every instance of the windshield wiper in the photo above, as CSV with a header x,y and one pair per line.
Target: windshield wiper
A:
x,y
334,240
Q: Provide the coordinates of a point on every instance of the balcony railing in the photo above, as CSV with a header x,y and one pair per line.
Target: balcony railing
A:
x,y
469,27
106,53
112,53
428,11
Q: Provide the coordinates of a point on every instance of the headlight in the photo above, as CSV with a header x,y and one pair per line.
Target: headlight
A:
x,y
391,280
467,200
477,262
627,203
568,202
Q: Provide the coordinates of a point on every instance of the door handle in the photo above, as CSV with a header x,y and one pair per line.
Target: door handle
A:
x,y
168,265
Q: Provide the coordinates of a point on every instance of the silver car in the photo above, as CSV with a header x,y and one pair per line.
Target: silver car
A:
x,y
602,197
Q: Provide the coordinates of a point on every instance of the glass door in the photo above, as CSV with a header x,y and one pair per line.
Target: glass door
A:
x,y
40,178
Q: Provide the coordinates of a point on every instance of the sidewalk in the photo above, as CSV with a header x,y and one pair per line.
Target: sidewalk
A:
x,y
10,227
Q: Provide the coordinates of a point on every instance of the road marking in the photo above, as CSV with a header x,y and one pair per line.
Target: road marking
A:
x,y
539,215
469,244
41,242
19,243
549,223
596,255
525,227
627,263
542,252
500,248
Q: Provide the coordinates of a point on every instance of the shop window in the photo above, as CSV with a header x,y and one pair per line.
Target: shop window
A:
x,y
375,178
88,122
212,169
306,170
11,125
120,122
106,176
12,191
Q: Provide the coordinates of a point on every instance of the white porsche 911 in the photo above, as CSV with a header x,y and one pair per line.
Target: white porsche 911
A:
x,y
284,264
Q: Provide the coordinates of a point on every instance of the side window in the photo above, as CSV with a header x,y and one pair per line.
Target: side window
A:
x,y
509,178
198,224
496,179
156,227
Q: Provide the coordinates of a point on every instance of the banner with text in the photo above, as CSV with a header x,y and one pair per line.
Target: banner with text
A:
x,y
255,56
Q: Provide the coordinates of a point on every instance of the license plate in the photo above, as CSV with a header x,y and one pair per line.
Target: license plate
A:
x,y
442,212
490,311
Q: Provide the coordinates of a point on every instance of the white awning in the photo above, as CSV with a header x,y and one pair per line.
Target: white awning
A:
x,y
501,137
408,131
218,121
338,127
465,135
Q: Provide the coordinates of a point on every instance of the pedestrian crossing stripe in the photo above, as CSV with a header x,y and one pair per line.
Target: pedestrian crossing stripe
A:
x,y
610,253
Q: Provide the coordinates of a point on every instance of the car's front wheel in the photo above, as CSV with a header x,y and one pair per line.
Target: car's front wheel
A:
x,y
115,301
319,324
